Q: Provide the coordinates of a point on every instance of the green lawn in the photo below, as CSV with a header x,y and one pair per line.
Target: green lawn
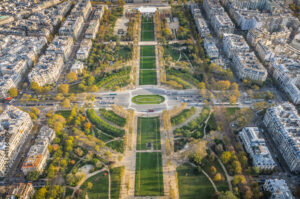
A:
x,y
147,36
115,182
100,185
148,77
147,63
148,99
147,51
148,132
193,184
65,114
149,177
148,26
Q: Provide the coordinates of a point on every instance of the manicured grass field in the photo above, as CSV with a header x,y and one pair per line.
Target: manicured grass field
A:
x,y
149,177
147,29
148,133
193,184
148,77
147,36
146,51
148,99
147,26
147,63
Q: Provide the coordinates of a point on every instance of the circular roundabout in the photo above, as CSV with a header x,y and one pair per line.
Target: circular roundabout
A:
x,y
148,99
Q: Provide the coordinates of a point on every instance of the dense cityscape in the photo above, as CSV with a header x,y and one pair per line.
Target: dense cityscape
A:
x,y
190,99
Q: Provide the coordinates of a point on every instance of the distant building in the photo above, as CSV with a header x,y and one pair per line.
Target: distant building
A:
x,y
255,146
278,189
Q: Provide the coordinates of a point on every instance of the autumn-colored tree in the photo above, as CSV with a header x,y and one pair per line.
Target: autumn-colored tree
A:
x,y
35,110
71,76
232,99
237,167
212,170
63,88
218,177
239,179
222,85
66,103
57,122
226,156
13,92
35,87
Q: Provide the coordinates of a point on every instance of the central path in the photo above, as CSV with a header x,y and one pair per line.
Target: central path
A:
x,y
147,174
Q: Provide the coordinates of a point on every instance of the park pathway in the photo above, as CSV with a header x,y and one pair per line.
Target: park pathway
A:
x,y
87,177
128,180
228,177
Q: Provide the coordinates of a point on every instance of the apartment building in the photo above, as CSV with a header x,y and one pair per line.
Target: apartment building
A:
x,y
83,8
285,72
15,125
47,70
84,50
283,123
212,7
222,24
211,48
38,153
21,191
72,26
202,27
61,45
92,29
248,66
255,146
17,55
234,44
278,189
